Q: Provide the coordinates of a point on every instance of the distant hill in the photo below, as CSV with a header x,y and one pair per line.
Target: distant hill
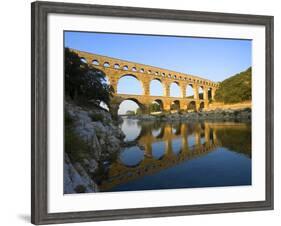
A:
x,y
237,88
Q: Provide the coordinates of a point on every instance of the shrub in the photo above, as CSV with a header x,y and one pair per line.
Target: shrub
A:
x,y
76,148
96,117
236,89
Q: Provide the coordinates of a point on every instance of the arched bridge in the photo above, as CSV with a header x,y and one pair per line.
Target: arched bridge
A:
x,y
115,69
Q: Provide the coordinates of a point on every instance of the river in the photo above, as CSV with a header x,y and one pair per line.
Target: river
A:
x,y
170,155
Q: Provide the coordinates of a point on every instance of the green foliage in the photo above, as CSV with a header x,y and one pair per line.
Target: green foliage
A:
x,y
138,111
129,112
236,89
83,83
154,107
96,117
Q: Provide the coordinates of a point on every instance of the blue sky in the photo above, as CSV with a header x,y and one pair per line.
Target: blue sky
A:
x,y
214,59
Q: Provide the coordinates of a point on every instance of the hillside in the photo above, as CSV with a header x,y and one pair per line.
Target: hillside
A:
x,y
236,89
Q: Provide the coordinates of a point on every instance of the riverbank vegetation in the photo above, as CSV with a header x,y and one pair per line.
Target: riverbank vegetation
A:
x,y
90,135
76,148
235,89
85,84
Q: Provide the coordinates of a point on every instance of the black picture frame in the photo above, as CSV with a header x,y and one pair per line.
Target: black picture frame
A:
x,y
39,192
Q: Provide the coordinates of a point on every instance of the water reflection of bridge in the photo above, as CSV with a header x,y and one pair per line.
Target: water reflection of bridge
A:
x,y
205,141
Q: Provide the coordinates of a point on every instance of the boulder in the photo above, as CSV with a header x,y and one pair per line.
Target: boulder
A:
x,y
76,179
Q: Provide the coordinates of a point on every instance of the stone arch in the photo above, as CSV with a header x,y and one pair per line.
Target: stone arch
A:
x,y
175,89
142,106
95,62
117,110
156,87
125,68
134,69
191,107
175,105
189,91
201,92
83,60
209,93
106,64
201,106
135,85
117,66
160,103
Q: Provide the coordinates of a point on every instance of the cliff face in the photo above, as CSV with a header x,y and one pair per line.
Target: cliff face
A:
x,y
91,138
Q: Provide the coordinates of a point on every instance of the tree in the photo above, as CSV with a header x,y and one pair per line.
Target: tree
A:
x,y
129,112
83,83
154,107
138,111
236,89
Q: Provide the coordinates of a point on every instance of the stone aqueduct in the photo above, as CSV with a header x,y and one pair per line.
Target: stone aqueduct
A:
x,y
115,69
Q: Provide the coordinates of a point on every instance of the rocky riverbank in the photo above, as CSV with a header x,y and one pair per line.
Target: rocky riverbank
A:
x,y
91,139
214,115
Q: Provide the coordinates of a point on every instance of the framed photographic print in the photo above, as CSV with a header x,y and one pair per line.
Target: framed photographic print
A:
x,y
140,112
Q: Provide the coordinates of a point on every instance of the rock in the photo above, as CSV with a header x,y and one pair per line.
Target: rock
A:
x,y
218,114
93,166
98,133
105,138
76,177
